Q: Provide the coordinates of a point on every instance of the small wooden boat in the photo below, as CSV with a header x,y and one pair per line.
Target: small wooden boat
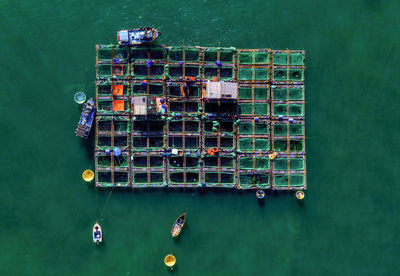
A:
x,y
138,36
97,234
86,120
178,225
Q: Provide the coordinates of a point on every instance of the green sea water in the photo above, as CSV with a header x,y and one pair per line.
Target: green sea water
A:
x,y
349,222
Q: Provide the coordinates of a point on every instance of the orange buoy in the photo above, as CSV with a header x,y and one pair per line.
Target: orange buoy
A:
x,y
300,194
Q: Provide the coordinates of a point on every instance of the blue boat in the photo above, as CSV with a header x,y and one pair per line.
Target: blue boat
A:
x,y
138,36
86,121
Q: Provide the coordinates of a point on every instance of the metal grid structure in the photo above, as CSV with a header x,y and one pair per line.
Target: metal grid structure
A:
x,y
153,104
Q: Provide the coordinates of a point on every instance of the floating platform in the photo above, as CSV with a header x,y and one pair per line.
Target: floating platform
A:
x,y
186,116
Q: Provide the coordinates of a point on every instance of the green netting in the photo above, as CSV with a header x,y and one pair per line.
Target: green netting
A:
x,y
260,128
253,74
281,180
280,74
107,53
142,161
210,72
280,130
295,94
295,145
296,75
154,142
191,142
226,73
226,55
295,110
157,53
282,164
260,93
245,127
257,163
105,161
175,54
296,59
246,108
260,109
253,58
121,53
280,94
284,74
104,53
245,74
282,109
295,129
140,71
246,144
297,164
178,177
104,179
140,178
212,178
261,57
173,72
224,161
260,180
280,59
245,58
245,93
226,142
139,53
280,145
105,89
186,107
192,71
261,74
296,180
104,70
157,71
106,107
179,161
261,144
120,124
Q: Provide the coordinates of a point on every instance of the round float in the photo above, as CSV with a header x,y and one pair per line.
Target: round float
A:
x,y
80,98
260,194
88,175
300,194
169,260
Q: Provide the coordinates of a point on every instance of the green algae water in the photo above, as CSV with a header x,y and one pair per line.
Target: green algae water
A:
x,y
349,220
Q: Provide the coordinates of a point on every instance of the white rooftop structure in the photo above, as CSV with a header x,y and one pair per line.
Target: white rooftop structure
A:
x,y
221,90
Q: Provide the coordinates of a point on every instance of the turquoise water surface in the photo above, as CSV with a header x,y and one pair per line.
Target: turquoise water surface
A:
x,y
349,221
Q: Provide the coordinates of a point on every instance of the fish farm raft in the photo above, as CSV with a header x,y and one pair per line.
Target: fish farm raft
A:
x,y
184,116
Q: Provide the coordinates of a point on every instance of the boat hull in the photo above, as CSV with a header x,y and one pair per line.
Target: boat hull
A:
x,y
178,225
97,239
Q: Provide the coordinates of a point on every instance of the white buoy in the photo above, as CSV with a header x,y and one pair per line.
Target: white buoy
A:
x,y
80,97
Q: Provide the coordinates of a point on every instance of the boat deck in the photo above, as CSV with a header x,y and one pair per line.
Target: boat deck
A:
x,y
200,140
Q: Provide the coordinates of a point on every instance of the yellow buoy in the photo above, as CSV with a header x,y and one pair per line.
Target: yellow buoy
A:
x,y
169,260
273,155
88,175
300,194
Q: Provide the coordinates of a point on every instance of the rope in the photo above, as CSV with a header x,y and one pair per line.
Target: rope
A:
x,y
105,205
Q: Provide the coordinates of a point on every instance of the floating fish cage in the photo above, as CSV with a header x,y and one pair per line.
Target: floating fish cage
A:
x,y
188,116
